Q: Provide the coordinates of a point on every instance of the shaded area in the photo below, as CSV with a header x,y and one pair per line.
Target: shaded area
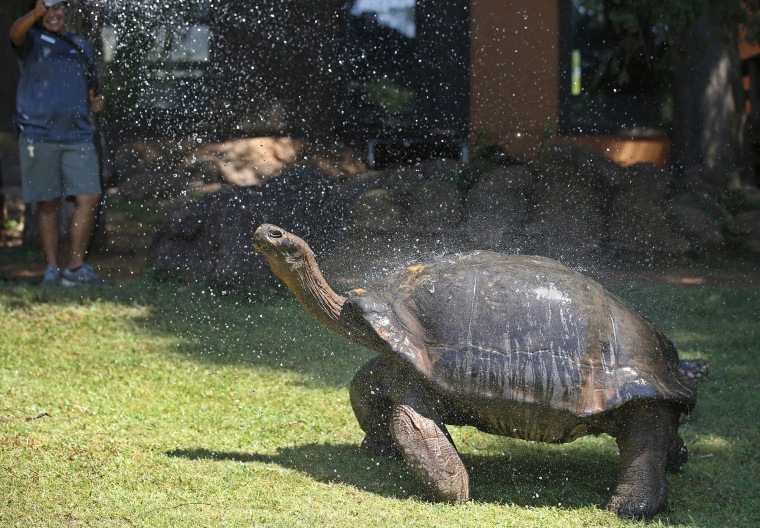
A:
x,y
535,477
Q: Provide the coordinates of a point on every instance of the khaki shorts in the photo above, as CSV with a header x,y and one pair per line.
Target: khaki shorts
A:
x,y
56,170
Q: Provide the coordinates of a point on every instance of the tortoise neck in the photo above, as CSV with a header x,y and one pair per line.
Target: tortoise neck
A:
x,y
314,293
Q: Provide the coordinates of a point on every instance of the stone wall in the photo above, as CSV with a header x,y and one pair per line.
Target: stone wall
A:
x,y
573,205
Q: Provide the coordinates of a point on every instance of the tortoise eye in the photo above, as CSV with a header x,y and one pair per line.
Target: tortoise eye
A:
x,y
275,233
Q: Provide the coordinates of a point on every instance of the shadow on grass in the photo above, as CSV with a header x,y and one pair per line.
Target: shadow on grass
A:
x,y
538,478
266,329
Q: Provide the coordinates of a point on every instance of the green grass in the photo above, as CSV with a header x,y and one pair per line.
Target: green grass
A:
x,y
156,405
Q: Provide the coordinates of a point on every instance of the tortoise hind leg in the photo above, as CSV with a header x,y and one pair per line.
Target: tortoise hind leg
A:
x,y
373,407
645,443
428,449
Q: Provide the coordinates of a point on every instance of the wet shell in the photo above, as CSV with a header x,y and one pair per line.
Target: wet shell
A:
x,y
486,326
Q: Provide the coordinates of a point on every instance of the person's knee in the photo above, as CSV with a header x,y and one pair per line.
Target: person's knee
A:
x,y
48,207
88,201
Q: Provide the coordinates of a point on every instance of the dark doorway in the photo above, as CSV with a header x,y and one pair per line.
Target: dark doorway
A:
x,y
606,86
405,67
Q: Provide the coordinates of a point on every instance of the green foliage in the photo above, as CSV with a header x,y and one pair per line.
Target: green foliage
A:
x,y
736,202
390,97
669,18
647,31
157,405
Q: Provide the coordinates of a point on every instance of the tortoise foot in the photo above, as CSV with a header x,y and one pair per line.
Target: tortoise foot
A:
x,y
649,446
429,451
627,507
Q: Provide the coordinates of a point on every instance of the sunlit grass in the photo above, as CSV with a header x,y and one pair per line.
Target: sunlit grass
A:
x,y
160,405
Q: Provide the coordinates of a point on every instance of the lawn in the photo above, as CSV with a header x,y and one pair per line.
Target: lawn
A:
x,y
156,404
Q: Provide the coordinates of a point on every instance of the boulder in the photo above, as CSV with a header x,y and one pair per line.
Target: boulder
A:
x,y
569,216
639,226
692,220
157,184
435,207
745,231
597,170
248,161
375,210
209,239
496,209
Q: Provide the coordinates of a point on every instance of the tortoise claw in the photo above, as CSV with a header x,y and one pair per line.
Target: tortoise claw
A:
x,y
639,511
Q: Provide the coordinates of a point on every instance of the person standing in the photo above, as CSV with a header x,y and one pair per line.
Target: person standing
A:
x,y
56,98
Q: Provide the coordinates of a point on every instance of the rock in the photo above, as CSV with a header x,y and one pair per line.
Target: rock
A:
x,y
439,170
209,239
133,158
374,210
596,169
156,185
700,179
639,226
435,207
693,223
575,206
206,171
496,209
249,161
745,231
569,213
646,178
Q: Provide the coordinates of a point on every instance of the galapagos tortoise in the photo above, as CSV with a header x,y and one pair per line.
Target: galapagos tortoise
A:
x,y
515,345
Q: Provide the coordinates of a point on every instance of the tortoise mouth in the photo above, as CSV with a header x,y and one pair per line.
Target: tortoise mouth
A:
x,y
266,235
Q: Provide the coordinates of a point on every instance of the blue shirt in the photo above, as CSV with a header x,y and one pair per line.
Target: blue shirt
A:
x,y
52,100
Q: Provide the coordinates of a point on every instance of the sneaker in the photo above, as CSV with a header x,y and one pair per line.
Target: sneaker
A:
x,y
83,275
51,277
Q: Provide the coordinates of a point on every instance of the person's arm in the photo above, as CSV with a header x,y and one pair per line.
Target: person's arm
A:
x,y
25,23
97,102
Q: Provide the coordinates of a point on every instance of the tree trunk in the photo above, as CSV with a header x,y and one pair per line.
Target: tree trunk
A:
x,y
709,108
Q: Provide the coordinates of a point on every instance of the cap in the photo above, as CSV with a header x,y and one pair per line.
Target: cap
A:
x,y
51,3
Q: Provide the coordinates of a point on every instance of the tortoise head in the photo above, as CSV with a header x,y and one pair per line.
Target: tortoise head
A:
x,y
284,251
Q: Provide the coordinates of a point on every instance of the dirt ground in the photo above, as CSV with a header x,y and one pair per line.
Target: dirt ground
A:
x,y
119,253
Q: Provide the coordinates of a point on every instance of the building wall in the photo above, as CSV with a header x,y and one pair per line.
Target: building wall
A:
x,y
273,75
514,69
514,83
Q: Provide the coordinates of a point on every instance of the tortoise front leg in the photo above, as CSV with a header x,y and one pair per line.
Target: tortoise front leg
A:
x,y
645,442
429,450
373,406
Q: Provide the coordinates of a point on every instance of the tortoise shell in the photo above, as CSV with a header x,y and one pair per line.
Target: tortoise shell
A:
x,y
523,329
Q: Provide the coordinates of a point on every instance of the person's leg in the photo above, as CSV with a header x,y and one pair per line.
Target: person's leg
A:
x,y
82,223
81,179
41,185
47,225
